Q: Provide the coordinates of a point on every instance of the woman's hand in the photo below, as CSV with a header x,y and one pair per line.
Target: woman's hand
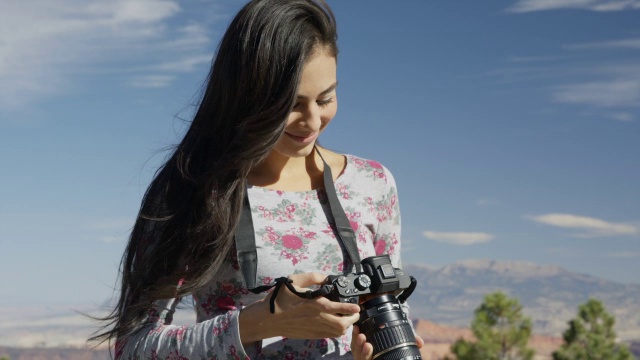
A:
x,y
362,350
295,317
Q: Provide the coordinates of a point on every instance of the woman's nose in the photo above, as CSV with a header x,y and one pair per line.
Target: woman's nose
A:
x,y
311,116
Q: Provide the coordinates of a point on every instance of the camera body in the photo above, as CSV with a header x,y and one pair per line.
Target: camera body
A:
x,y
378,276
382,319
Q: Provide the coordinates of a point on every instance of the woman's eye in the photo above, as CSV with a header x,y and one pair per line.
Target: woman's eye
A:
x,y
325,102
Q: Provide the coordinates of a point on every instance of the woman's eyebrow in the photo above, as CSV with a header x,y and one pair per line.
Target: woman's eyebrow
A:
x,y
324,92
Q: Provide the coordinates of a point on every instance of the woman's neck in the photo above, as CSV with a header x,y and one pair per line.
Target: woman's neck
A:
x,y
279,172
288,173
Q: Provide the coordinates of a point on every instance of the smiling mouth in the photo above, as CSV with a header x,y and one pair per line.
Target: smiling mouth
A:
x,y
303,139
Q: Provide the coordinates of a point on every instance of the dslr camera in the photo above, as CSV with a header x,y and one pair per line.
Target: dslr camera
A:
x,y
382,320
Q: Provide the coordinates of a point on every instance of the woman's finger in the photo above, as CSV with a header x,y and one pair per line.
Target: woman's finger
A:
x,y
340,323
360,348
367,351
356,342
336,307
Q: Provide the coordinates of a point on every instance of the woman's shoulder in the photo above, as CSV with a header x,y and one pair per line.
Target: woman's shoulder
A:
x,y
368,170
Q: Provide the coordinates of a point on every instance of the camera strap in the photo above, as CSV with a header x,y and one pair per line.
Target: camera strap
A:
x,y
246,242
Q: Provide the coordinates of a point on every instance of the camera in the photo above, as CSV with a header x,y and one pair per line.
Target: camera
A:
x,y
382,320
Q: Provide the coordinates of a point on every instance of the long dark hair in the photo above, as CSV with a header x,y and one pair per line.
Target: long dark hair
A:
x,y
186,224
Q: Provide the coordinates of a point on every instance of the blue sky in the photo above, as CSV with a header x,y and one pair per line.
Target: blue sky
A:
x,y
512,128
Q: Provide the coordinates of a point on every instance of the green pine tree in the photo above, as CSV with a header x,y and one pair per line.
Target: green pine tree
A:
x,y
502,332
590,336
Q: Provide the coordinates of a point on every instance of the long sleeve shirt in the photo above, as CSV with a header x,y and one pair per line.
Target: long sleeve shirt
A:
x,y
293,235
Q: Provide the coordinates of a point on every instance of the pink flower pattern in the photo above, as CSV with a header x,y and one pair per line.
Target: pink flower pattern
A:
x,y
225,296
293,236
292,245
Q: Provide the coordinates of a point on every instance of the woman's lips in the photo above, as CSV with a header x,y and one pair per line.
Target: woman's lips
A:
x,y
308,139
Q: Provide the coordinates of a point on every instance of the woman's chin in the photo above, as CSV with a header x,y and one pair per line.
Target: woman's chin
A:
x,y
295,152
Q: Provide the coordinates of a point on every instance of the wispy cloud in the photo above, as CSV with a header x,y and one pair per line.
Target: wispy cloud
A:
x,y
621,116
181,65
589,226
617,88
633,44
151,81
459,238
615,93
524,6
536,59
488,202
112,230
587,75
70,37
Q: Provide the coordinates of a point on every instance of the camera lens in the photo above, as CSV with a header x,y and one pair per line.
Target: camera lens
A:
x,y
387,328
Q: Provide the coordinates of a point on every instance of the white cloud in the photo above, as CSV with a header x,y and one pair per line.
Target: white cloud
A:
x,y
590,227
185,64
617,89
151,81
112,230
459,238
615,93
621,116
523,6
134,11
621,44
44,44
535,59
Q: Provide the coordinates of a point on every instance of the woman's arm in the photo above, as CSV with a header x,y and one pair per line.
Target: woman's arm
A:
x,y
218,336
229,332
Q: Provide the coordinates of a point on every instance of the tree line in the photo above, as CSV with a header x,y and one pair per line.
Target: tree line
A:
x,y
502,332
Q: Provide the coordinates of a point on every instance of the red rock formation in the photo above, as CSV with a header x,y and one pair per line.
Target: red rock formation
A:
x,y
439,338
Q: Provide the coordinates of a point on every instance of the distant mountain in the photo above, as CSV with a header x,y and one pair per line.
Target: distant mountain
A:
x,y
550,295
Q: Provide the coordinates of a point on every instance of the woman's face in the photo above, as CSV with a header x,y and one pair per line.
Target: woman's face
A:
x,y
315,106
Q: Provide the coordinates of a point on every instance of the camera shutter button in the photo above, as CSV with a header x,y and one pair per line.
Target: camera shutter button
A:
x,y
362,282
343,281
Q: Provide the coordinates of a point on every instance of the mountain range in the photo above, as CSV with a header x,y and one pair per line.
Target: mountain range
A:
x,y
550,295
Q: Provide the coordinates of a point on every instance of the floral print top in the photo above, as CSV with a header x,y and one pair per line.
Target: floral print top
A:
x,y
293,236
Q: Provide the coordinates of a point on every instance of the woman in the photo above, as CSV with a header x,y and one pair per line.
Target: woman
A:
x,y
271,92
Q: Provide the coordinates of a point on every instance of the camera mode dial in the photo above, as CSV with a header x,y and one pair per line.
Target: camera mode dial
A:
x,y
362,282
342,281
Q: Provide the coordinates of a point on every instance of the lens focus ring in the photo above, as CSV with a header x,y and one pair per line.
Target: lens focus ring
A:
x,y
391,336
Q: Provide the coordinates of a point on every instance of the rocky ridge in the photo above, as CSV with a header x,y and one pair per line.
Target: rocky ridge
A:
x,y
550,295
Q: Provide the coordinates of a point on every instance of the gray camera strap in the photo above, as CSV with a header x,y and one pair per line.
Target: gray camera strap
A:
x,y
246,242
